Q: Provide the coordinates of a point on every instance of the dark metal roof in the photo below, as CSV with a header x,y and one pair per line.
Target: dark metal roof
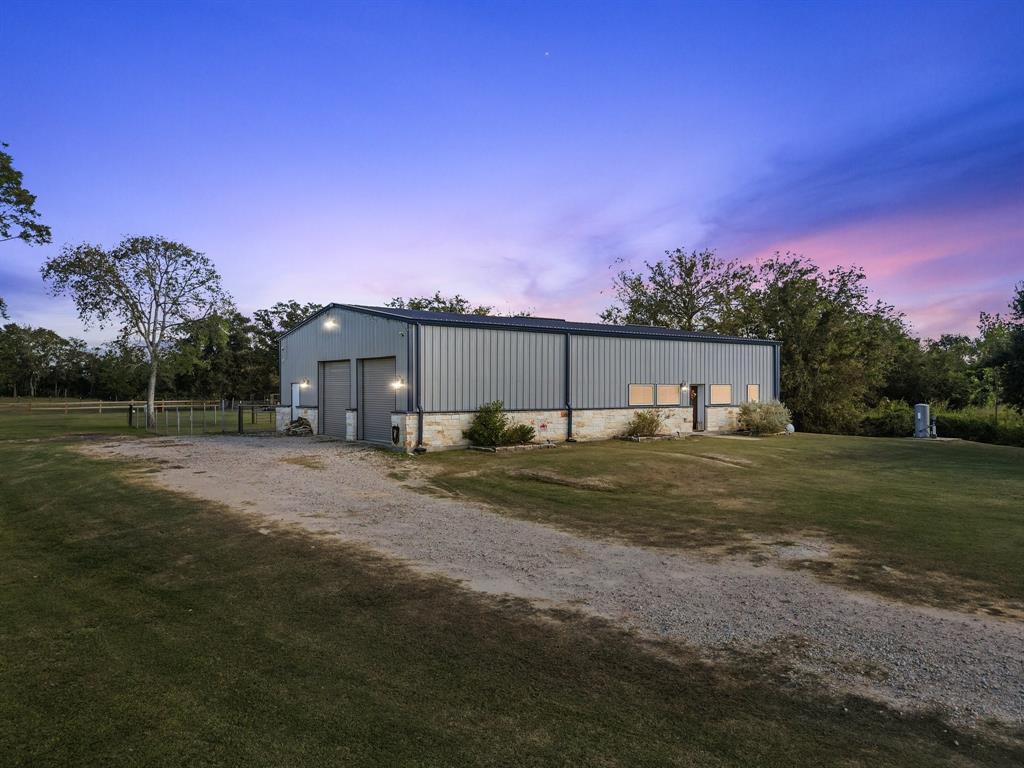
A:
x,y
541,324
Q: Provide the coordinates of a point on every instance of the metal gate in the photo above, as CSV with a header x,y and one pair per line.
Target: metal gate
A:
x,y
336,398
377,399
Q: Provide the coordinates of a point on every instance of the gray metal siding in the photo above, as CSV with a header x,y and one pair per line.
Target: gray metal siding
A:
x,y
356,335
377,399
604,367
466,367
337,398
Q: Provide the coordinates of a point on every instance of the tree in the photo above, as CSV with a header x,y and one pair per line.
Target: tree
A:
x,y
150,287
19,219
694,291
1008,358
267,327
437,303
837,345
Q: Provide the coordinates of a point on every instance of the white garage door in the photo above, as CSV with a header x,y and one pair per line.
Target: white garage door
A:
x,y
337,397
377,399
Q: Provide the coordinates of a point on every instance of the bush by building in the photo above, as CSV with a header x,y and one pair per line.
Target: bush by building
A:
x,y
646,423
763,418
492,426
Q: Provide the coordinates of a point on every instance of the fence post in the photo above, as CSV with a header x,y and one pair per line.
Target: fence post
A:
x,y
131,407
241,424
177,418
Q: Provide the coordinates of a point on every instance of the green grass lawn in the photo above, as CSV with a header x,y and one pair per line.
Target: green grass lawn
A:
x,y
933,521
141,628
19,424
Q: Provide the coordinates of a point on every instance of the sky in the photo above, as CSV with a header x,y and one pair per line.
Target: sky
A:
x,y
515,152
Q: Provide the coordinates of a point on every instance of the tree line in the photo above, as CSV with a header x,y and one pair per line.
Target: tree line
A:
x,y
843,353
226,355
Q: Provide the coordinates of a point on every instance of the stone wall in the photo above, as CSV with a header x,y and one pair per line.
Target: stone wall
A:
x,y
721,418
443,431
607,423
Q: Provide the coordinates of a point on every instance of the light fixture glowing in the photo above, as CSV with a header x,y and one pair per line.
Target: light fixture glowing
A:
x,y
397,384
304,383
330,322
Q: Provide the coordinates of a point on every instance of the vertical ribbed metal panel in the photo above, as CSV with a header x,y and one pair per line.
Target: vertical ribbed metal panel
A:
x,y
466,367
355,335
604,367
337,398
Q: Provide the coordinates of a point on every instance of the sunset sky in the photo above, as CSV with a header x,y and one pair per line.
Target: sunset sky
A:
x,y
512,152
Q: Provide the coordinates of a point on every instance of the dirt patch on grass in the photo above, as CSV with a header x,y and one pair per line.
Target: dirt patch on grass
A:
x,y
549,476
309,461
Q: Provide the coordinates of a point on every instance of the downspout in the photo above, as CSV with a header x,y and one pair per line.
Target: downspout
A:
x,y
777,361
419,395
568,389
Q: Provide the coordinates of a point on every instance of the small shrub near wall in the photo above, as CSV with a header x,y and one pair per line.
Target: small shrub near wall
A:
x,y
491,427
645,423
763,418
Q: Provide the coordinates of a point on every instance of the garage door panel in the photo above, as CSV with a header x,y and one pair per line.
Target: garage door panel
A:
x,y
337,397
377,399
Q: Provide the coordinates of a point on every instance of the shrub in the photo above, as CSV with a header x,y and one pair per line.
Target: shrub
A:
x,y
764,418
488,425
645,423
890,418
491,426
979,425
518,434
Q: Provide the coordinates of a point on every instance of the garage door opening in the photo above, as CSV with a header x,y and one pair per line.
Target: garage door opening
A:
x,y
335,398
376,399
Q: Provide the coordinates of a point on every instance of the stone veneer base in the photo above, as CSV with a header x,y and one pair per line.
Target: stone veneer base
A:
x,y
443,431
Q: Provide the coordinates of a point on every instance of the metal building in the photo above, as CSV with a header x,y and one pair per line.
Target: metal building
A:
x,y
413,379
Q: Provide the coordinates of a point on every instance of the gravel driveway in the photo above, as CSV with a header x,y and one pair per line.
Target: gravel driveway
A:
x,y
971,666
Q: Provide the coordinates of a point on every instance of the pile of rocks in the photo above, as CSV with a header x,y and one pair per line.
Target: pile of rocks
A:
x,y
300,426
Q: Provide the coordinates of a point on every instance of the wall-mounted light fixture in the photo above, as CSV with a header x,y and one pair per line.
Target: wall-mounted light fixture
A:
x,y
330,322
398,383
304,383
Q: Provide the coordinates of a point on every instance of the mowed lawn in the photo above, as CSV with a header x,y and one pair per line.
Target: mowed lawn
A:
x,y
935,521
141,628
17,424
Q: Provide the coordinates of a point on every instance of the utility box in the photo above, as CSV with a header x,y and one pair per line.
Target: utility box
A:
x,y
922,420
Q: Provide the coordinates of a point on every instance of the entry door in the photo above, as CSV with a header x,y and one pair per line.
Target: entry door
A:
x,y
296,394
698,422
377,399
336,398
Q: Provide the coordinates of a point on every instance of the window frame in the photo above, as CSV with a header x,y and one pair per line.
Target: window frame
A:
x,y
629,396
757,393
713,400
678,390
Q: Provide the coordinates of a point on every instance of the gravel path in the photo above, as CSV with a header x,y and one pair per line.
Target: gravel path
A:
x,y
971,666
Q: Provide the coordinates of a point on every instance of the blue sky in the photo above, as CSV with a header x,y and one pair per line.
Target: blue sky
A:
x,y
513,151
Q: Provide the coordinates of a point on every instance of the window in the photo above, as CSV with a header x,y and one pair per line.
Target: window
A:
x,y
641,394
721,394
753,392
668,394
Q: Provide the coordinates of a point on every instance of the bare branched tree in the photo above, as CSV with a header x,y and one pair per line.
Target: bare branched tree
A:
x,y
148,286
